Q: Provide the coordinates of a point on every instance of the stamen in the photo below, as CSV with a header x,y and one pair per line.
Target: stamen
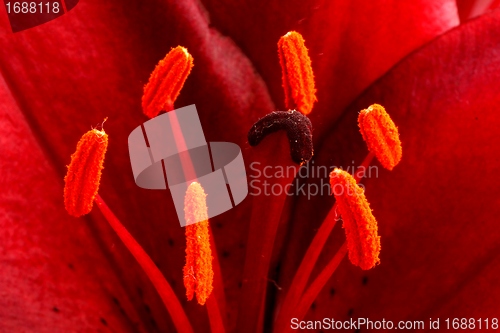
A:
x,y
303,273
84,173
381,135
82,184
266,212
198,272
298,129
358,221
298,77
166,81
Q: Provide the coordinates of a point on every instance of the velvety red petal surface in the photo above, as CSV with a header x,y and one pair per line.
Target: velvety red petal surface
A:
x,y
469,9
438,210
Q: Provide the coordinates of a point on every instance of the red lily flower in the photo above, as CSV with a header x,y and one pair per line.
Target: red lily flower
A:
x,y
436,210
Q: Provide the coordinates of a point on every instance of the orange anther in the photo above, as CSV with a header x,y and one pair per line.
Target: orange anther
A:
x,y
298,77
198,272
381,135
358,221
166,81
84,173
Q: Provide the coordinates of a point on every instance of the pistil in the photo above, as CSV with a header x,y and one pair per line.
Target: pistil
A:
x,y
300,94
298,129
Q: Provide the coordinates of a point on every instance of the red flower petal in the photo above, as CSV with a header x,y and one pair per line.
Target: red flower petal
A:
x,y
468,9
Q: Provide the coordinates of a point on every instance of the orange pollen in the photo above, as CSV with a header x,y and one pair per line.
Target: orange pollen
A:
x,y
166,81
198,272
298,77
84,173
359,223
381,135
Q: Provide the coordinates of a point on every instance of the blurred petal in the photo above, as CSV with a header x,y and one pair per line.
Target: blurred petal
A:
x,y
438,210
468,9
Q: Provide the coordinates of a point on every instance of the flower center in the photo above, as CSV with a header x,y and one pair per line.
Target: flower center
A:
x,y
362,244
